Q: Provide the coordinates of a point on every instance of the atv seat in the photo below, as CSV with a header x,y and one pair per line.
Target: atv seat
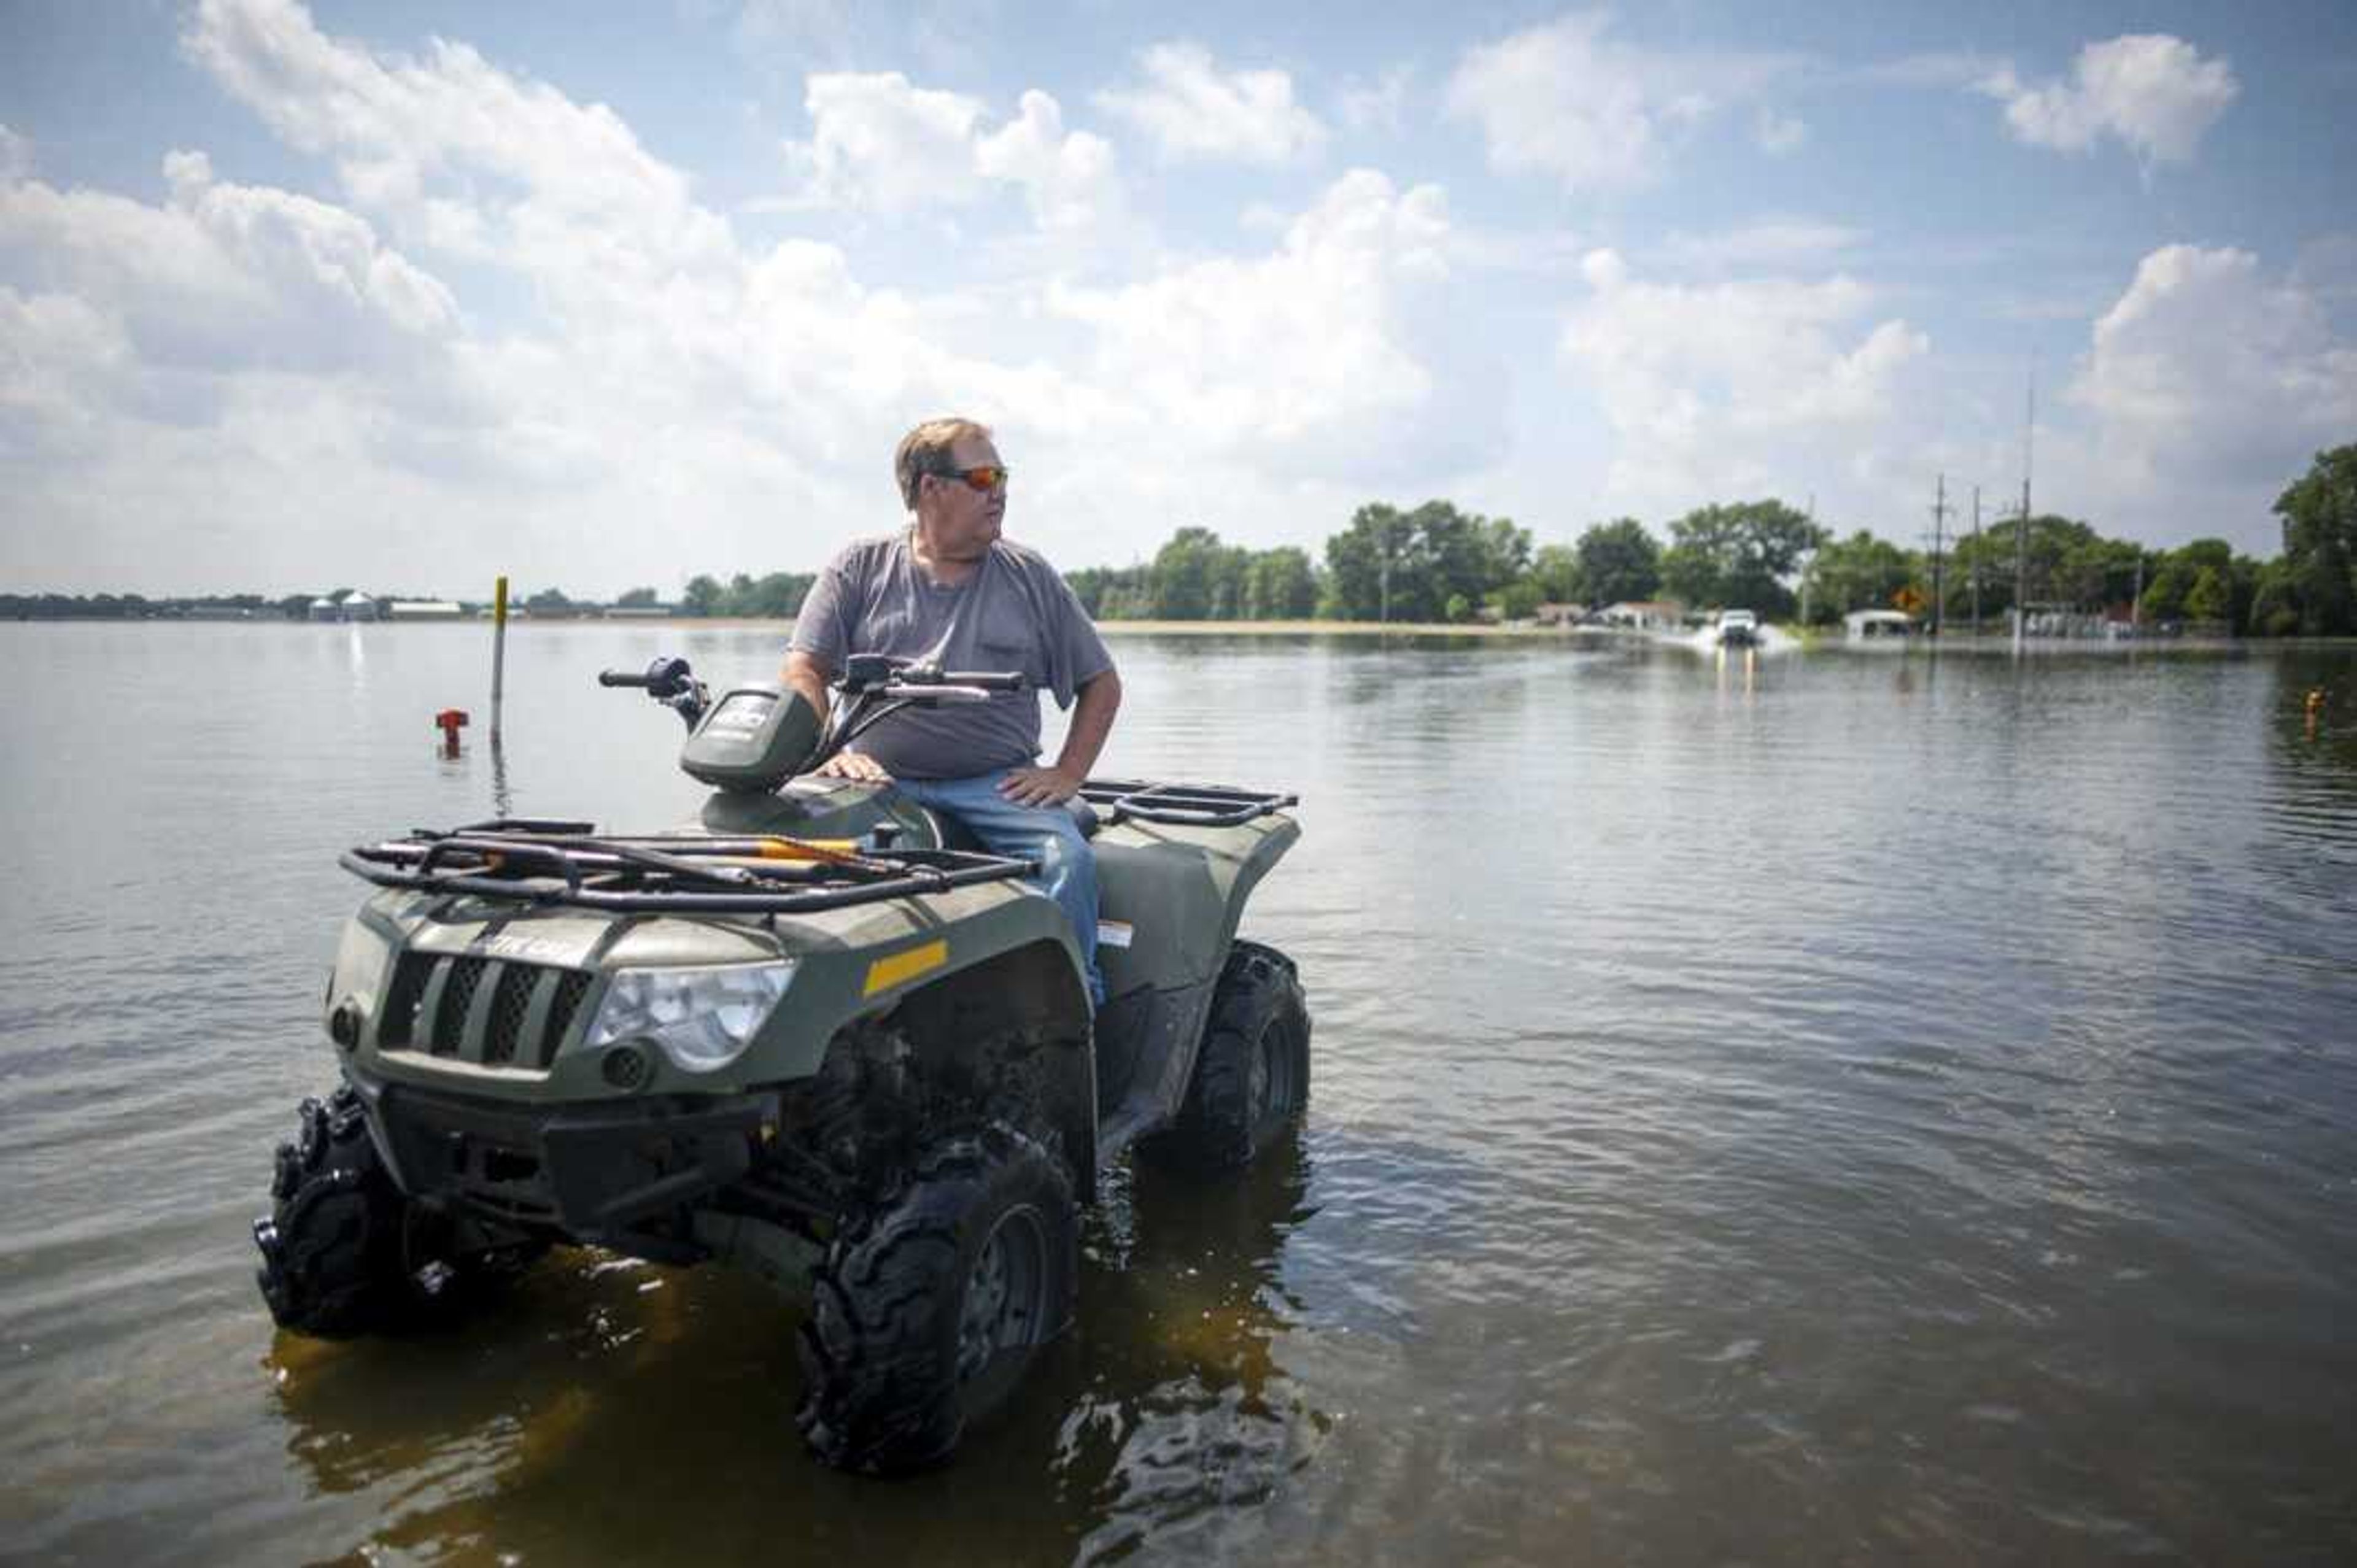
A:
x,y
955,834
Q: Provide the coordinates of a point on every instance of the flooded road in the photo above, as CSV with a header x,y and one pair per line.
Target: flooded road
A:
x,y
1812,1107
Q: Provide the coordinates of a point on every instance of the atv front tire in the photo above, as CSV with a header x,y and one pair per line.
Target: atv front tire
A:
x,y
343,1252
932,1302
1251,1078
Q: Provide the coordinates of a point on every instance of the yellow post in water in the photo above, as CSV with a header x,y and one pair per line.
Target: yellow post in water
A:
x,y
499,651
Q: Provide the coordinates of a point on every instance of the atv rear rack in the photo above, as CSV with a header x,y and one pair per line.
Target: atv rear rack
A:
x,y
539,861
1187,805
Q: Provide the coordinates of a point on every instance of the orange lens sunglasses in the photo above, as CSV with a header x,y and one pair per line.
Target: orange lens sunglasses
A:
x,y
986,479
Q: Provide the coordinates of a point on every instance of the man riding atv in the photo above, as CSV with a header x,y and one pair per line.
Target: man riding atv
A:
x,y
949,591
815,1032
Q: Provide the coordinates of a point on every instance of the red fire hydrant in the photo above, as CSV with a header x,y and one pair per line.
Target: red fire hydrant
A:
x,y
452,721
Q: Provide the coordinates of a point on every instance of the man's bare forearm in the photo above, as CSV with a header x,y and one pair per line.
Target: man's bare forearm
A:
x,y
806,675
1092,713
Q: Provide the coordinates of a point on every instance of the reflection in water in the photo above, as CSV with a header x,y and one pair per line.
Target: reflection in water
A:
x,y
1185,1408
503,801
499,1436
1802,1124
1169,1402
1744,663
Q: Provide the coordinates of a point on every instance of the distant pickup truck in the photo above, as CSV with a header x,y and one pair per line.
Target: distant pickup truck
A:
x,y
1738,628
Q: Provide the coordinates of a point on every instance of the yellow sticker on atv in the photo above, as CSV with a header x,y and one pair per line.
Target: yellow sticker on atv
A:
x,y
888,972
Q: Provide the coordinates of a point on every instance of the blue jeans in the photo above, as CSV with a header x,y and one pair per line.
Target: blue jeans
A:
x,y
1068,867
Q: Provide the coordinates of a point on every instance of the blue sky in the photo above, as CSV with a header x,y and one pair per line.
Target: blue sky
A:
x,y
410,294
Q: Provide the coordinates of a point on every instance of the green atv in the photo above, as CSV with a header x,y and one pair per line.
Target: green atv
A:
x,y
818,1033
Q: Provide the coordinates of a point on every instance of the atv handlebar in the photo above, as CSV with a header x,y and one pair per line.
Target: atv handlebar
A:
x,y
872,686
668,682
905,678
666,677
926,681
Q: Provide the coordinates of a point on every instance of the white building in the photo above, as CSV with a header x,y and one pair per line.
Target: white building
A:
x,y
1644,615
1877,626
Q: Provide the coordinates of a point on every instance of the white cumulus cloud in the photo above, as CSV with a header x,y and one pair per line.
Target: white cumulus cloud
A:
x,y
1723,389
881,143
1069,178
2209,373
878,141
1566,100
1325,355
225,273
1191,108
306,389
2155,93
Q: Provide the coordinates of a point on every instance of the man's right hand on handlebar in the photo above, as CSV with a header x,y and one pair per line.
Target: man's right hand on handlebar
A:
x,y
852,765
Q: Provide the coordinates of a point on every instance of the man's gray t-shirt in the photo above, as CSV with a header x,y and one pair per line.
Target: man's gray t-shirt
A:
x,y
1014,613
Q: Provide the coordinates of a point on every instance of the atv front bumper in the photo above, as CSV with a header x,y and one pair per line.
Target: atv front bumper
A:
x,y
600,1174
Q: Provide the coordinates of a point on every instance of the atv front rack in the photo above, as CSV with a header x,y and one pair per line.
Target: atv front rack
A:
x,y
539,861
1188,805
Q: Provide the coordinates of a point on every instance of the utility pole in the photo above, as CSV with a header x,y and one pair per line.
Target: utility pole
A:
x,y
1939,545
1977,560
1811,567
2021,523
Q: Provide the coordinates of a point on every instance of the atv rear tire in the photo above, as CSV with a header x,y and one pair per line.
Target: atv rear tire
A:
x,y
1251,1078
931,1303
343,1252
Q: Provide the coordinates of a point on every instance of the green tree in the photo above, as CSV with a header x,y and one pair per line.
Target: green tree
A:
x,y
1860,573
1738,555
2320,548
2066,562
637,598
2164,589
773,596
2208,598
1557,577
2275,602
1427,559
1110,593
1194,578
1519,599
1280,585
1381,549
703,595
549,599
1619,560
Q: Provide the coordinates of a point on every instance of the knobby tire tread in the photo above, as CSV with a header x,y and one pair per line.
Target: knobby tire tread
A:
x,y
879,1347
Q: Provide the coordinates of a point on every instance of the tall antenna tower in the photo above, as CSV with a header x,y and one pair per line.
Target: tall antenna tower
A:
x,y
1976,561
1809,570
1939,553
2021,523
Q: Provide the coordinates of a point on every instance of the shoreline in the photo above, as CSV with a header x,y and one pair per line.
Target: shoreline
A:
x,y
1814,638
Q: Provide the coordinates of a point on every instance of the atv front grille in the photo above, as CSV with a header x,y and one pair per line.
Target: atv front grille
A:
x,y
490,1011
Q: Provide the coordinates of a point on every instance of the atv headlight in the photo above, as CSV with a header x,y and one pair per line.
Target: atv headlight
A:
x,y
703,1018
358,974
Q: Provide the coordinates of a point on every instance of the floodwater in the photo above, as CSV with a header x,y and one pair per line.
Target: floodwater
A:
x,y
1818,1108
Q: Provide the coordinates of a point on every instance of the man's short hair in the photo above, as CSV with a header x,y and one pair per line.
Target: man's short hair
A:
x,y
926,450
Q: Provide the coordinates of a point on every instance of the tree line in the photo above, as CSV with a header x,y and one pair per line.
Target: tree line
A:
x,y
1437,563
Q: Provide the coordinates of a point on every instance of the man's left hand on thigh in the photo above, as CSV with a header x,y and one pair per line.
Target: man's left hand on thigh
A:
x,y
1038,786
